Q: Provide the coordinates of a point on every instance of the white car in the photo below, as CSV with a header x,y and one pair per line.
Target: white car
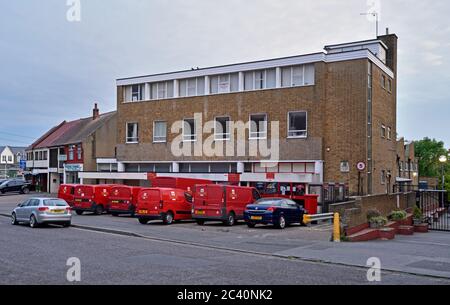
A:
x,y
38,211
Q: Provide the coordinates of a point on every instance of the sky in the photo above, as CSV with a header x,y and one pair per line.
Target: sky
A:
x,y
52,69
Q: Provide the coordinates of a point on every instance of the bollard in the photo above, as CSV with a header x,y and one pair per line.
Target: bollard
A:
x,y
336,228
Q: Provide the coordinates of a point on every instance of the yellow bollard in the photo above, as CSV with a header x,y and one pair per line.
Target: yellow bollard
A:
x,y
337,228
306,219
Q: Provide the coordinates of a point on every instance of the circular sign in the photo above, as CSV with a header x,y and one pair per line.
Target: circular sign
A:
x,y
361,166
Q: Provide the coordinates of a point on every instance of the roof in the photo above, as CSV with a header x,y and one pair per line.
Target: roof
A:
x,y
356,43
82,129
14,149
71,132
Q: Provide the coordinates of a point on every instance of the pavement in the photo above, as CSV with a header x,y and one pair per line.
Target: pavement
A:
x,y
118,250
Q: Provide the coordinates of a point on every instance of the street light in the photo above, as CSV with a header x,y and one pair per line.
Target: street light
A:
x,y
443,159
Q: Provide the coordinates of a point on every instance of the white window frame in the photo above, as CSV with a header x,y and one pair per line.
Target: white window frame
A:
x,y
127,139
226,134
250,127
389,133
289,126
383,131
194,134
154,136
346,168
292,76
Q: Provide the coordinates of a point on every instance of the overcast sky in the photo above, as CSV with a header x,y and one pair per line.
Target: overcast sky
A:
x,y
53,70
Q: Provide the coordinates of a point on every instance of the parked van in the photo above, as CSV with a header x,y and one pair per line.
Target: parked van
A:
x,y
91,198
222,203
166,204
123,200
186,184
66,192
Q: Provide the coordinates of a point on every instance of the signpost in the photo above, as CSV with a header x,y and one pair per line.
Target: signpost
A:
x,y
361,166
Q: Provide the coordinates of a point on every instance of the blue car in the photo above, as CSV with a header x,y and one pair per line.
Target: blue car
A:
x,y
279,212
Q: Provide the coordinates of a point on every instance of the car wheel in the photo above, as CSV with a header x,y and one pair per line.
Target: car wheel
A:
x,y
25,191
281,224
99,210
33,222
251,225
79,212
200,222
168,218
143,221
14,219
231,220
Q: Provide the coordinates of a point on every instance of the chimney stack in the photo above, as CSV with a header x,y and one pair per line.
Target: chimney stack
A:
x,y
95,112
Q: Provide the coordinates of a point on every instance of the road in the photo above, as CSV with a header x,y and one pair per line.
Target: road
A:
x,y
39,256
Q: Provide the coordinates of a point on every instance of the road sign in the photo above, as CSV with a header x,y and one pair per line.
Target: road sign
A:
x,y
361,166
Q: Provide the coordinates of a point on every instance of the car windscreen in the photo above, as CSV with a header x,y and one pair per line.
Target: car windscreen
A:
x,y
54,203
269,202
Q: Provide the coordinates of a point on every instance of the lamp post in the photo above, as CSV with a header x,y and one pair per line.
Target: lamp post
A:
x,y
443,159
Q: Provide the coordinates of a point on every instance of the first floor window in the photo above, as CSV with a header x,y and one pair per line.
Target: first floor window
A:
x,y
79,152
160,132
132,133
345,167
383,81
222,128
258,126
189,134
297,124
389,133
137,93
71,153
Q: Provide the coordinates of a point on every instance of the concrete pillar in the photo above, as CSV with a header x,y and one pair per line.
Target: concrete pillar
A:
x,y
278,77
147,96
241,81
318,170
175,167
120,167
207,85
240,167
176,88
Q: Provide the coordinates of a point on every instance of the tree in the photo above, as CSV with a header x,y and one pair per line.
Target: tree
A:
x,y
428,151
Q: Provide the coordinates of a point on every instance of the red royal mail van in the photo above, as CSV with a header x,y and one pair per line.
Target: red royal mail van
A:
x,y
166,204
123,200
91,198
222,203
186,184
66,192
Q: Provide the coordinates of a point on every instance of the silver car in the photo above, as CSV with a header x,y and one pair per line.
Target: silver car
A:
x,y
38,211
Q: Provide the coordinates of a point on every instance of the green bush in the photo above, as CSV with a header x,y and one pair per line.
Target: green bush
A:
x,y
379,221
417,213
398,215
373,213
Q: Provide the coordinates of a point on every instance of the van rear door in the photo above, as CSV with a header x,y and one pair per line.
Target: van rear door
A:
x,y
209,200
149,202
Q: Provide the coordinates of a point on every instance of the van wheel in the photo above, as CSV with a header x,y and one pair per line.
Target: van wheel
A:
x,y
231,220
281,224
168,218
33,222
251,225
200,222
143,221
14,219
98,210
79,212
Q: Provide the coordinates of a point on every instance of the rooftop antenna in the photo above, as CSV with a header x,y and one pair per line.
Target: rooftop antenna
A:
x,y
376,15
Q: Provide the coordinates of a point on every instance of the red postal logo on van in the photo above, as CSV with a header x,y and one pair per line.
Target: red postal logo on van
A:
x,y
65,189
116,192
79,191
173,195
233,194
144,196
105,192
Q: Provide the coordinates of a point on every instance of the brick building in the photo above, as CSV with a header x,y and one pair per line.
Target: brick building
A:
x,y
334,109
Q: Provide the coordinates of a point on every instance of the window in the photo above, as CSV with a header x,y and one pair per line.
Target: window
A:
x,y
389,133
132,133
79,152
137,93
3,158
261,79
36,156
345,167
45,155
189,132
161,90
222,129
192,87
224,83
383,131
383,81
389,85
297,76
160,132
258,126
71,153
9,158
383,177
297,124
